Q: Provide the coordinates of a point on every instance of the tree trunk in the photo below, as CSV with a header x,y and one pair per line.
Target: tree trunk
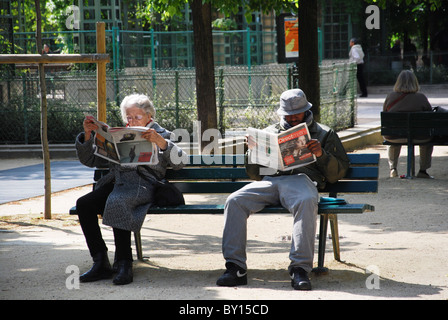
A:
x,y
43,105
309,75
205,70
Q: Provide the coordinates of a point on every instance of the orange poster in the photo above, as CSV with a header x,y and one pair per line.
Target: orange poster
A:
x,y
291,37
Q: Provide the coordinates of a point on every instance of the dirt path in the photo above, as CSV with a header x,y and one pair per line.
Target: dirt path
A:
x,y
404,242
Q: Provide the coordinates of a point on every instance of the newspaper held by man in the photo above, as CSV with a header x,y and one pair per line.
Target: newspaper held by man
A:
x,y
124,145
283,151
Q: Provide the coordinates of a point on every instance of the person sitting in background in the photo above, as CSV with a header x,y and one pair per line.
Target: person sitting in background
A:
x,y
46,49
406,98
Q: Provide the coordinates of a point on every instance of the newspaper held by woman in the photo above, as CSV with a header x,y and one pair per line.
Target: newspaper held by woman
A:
x,y
124,145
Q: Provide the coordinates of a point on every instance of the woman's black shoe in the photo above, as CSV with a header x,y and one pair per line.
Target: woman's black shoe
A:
x,y
101,269
124,272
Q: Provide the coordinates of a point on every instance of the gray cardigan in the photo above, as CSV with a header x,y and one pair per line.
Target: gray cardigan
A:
x,y
132,196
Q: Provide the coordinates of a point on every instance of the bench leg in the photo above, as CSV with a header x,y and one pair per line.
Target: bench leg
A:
x,y
138,245
322,239
335,236
411,162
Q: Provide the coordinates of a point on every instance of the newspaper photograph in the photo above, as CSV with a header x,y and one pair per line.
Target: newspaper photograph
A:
x,y
123,145
284,151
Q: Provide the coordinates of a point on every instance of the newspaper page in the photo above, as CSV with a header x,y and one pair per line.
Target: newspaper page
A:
x,y
284,151
265,150
124,145
293,150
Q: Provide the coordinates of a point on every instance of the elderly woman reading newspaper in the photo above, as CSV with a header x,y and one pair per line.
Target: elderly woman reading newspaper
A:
x,y
296,190
123,196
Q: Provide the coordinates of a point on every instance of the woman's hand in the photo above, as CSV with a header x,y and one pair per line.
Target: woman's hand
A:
x,y
89,126
152,136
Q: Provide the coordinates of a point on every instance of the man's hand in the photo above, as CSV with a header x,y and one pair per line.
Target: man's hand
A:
x,y
315,147
250,142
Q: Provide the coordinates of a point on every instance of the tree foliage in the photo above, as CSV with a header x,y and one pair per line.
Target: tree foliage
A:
x,y
431,4
173,8
53,14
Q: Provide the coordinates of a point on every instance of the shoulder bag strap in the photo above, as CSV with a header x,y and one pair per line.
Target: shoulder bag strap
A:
x,y
395,101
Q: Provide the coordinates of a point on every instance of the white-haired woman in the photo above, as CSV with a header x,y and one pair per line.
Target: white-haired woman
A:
x,y
406,98
123,196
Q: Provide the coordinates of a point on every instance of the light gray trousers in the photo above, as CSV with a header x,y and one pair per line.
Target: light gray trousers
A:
x,y
297,193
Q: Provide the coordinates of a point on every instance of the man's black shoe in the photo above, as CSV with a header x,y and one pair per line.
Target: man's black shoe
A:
x,y
299,279
233,276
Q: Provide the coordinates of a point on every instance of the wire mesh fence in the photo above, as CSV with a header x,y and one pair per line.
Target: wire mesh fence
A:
x,y
246,97
338,86
174,49
157,49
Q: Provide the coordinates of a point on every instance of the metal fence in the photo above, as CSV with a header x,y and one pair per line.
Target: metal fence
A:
x,y
431,68
174,49
245,97
158,49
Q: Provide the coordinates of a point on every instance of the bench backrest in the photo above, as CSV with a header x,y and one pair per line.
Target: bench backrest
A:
x,y
414,124
226,174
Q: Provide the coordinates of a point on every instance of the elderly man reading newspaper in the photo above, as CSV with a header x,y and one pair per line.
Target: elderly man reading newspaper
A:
x,y
295,189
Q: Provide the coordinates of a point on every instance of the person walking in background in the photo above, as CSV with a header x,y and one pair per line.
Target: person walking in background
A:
x,y
357,55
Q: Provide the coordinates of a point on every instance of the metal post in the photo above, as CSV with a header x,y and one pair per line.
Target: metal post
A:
x,y
176,93
249,62
295,76
25,115
221,100
116,60
114,48
153,61
430,65
289,78
352,82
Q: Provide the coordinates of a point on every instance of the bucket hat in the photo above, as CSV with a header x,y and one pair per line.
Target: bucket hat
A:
x,y
293,102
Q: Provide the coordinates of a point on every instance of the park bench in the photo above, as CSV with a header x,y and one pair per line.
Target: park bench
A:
x,y
415,124
224,174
